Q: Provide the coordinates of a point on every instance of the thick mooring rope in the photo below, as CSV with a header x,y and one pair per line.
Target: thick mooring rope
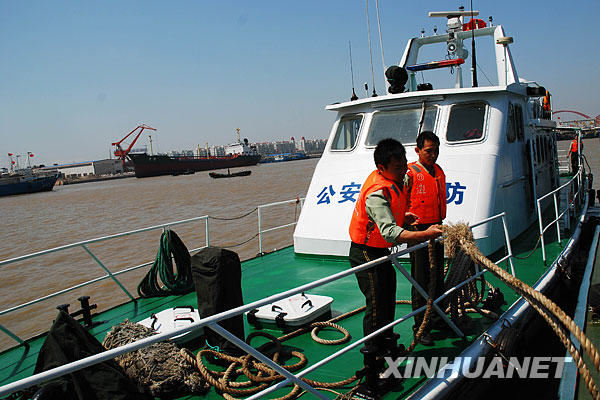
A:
x,y
460,235
265,375
432,267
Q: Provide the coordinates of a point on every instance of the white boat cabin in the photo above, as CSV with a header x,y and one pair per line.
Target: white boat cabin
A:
x,y
491,138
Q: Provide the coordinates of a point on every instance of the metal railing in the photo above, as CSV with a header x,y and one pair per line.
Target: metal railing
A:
x,y
563,160
289,377
553,193
113,275
259,212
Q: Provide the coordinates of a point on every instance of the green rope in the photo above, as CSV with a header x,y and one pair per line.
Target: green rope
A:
x,y
174,281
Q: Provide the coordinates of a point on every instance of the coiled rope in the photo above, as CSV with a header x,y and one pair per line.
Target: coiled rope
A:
x,y
174,281
460,235
265,375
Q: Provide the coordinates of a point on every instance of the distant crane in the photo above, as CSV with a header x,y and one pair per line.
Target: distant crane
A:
x,y
122,154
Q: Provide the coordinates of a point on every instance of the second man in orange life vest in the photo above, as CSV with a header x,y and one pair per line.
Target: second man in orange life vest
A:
x,y
377,224
427,200
573,155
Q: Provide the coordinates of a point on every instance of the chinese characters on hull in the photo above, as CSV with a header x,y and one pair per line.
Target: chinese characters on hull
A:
x,y
454,193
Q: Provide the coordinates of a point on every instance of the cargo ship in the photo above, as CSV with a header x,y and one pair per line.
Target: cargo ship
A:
x,y
26,181
239,154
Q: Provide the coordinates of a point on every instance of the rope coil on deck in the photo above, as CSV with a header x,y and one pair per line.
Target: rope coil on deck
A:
x,y
225,381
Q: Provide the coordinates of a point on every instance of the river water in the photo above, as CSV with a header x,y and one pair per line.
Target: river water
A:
x,y
72,213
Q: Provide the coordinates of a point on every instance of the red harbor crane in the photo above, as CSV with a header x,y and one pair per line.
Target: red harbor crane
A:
x,y
122,154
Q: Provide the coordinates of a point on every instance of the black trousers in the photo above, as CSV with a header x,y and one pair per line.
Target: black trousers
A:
x,y
378,285
574,163
420,267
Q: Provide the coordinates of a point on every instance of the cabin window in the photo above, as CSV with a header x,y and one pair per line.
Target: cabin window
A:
x,y
347,132
546,149
519,122
402,125
511,131
466,122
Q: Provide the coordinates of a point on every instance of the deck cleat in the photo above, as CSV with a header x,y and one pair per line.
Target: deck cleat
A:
x,y
390,347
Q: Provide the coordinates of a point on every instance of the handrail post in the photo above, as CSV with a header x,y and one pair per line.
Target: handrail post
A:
x,y
260,249
541,231
207,233
12,335
533,171
508,246
557,217
534,182
108,272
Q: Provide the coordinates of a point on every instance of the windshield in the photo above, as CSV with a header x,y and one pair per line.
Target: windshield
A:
x,y
347,132
402,125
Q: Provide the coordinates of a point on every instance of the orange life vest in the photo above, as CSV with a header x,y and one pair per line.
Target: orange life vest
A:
x,y
574,146
547,101
363,229
427,194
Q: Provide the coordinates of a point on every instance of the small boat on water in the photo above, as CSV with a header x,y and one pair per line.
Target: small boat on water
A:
x,y
499,151
27,181
271,158
218,175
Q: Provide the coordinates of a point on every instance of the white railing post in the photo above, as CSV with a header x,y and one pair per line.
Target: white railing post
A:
x,y
207,233
260,249
508,246
541,230
556,215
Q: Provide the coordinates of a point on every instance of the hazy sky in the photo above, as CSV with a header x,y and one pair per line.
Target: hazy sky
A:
x,y
78,75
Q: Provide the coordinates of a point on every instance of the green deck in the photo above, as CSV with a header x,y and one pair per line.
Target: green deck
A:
x,y
282,270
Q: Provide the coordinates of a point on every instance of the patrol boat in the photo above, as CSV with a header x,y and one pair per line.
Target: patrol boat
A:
x,y
499,152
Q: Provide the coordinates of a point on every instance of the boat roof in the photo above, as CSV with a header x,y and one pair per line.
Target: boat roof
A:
x,y
412,97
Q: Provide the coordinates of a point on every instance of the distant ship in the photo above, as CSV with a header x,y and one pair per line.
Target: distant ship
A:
x,y
284,157
239,154
27,181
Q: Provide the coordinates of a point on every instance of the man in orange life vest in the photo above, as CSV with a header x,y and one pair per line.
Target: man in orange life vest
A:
x,y
573,155
376,225
427,200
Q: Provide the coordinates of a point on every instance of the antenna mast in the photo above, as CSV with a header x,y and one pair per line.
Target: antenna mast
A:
x,y
473,59
380,40
354,96
370,51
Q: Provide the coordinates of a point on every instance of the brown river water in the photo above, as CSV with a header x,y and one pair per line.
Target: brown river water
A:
x,y
73,213
79,212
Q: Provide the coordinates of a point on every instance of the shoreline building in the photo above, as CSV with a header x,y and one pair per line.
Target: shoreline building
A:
x,y
87,168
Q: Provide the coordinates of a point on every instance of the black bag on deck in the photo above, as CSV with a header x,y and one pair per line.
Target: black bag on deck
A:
x,y
217,277
68,341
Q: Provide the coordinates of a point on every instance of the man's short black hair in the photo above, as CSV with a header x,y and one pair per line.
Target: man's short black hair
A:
x,y
386,150
427,135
